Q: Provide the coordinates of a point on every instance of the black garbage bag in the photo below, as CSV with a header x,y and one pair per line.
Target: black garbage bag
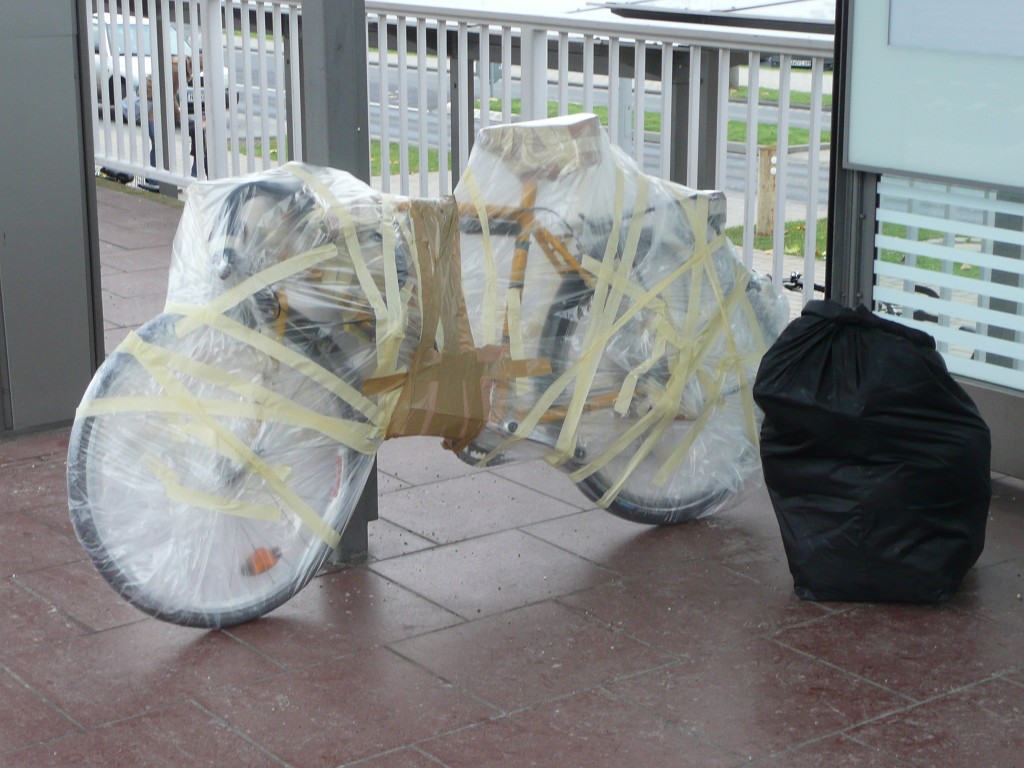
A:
x,y
877,462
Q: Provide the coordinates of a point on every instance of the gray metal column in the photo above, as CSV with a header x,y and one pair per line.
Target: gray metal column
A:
x,y
335,118
683,70
335,124
51,330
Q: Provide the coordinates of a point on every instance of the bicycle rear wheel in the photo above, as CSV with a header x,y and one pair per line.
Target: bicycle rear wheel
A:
x,y
175,521
716,466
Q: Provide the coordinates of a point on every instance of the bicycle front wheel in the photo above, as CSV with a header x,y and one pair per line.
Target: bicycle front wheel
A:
x,y
183,492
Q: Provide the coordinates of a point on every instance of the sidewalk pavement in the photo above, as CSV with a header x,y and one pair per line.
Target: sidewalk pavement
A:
x,y
501,620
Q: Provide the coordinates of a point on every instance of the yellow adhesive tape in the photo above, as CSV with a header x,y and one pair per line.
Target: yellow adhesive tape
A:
x,y
235,448
389,343
560,384
622,402
565,445
203,500
273,274
261,403
309,368
490,305
516,347
667,404
355,251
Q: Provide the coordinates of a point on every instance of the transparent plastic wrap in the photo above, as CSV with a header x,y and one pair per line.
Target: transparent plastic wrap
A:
x,y
595,315
627,284
219,451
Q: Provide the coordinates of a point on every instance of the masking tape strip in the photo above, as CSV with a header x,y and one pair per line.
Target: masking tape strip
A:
x,y
628,389
664,409
631,289
355,249
262,279
604,309
389,342
490,304
336,429
309,368
263,403
555,389
221,504
516,348
668,405
234,447
434,371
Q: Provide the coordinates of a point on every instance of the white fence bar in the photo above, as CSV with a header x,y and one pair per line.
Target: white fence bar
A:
x,y
750,199
781,168
693,127
588,73
813,162
722,120
443,92
506,74
403,105
563,73
665,137
384,71
461,91
639,91
421,106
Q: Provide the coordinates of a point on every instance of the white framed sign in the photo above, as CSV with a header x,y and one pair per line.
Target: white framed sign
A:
x,y
936,89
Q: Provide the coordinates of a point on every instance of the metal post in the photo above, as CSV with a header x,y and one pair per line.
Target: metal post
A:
x,y
334,96
682,71
335,121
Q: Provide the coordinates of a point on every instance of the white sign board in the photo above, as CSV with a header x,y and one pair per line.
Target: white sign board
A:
x,y
936,88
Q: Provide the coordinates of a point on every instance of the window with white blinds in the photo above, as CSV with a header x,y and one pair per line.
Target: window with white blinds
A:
x,y
949,260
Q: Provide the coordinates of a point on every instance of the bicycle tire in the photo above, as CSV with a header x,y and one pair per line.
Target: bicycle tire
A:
x,y
179,560
640,499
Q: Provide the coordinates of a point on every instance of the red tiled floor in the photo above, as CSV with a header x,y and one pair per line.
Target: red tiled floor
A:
x,y
692,608
918,651
530,655
342,613
27,621
490,574
32,483
485,631
390,540
347,709
400,758
27,544
979,725
590,729
47,445
469,506
182,735
121,672
834,752
758,697
25,718
80,593
539,476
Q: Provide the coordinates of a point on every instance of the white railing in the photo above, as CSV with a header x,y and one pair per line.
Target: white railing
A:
x,y
432,85
244,50
497,66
